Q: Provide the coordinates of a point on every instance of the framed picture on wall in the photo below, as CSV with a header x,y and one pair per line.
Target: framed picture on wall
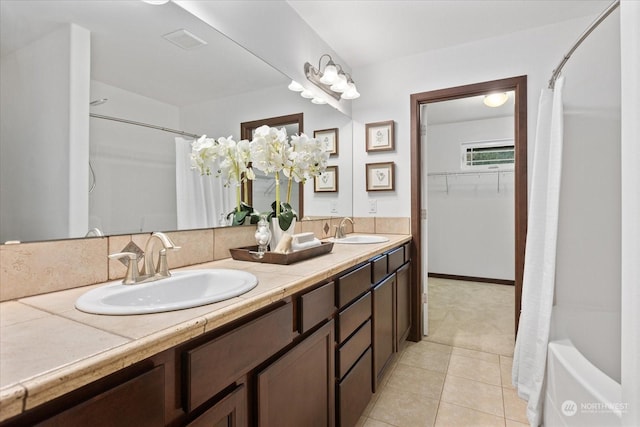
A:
x,y
330,138
380,136
380,176
327,181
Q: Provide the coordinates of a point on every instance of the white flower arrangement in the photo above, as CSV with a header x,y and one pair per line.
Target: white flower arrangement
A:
x,y
271,152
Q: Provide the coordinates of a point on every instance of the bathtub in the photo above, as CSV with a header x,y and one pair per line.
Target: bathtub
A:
x,y
578,393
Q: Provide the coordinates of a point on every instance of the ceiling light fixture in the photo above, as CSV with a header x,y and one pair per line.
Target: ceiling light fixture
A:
x,y
333,80
495,99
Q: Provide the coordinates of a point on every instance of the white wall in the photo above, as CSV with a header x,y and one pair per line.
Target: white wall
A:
x,y
222,117
589,228
630,227
471,222
134,166
48,200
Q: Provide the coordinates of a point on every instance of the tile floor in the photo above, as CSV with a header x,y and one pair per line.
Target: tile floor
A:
x,y
460,375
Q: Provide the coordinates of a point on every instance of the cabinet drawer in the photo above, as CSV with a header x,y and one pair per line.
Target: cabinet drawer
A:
x,y
213,366
353,348
354,392
378,268
137,402
316,306
354,284
396,259
407,252
354,316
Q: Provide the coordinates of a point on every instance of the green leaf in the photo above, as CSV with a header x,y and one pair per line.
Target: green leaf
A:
x,y
239,217
287,214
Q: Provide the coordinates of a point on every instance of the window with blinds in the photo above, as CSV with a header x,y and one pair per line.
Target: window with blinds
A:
x,y
487,155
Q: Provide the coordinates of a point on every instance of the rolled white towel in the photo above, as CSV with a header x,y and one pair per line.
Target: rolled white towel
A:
x,y
306,245
303,237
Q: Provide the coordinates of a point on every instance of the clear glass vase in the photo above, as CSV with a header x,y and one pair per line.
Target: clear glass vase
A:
x,y
263,234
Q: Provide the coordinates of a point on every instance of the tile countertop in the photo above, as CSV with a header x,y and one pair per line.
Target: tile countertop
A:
x,y
49,348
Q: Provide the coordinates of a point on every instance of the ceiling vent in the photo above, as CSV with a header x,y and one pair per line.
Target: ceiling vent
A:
x,y
184,39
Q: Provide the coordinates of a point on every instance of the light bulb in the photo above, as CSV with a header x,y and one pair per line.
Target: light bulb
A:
x,y
495,99
306,94
295,86
330,74
351,92
341,84
319,101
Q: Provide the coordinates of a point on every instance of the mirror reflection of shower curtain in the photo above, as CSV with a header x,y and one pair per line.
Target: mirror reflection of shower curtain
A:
x,y
200,199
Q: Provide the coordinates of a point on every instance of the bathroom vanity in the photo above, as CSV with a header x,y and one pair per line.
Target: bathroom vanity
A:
x,y
307,351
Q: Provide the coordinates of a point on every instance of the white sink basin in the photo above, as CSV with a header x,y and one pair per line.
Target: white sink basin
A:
x,y
359,239
184,289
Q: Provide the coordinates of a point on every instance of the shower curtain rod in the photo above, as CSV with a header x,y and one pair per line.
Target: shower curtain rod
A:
x,y
131,122
593,26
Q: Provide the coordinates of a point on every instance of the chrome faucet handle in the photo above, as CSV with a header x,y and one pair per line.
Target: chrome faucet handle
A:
x,y
132,274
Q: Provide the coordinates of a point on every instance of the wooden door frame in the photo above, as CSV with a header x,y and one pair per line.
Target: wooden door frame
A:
x,y
519,86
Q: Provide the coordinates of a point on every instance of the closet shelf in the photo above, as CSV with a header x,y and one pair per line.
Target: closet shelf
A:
x,y
476,173
488,172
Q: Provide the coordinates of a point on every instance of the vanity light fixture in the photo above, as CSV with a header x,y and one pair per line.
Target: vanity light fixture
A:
x,y
495,99
333,80
156,2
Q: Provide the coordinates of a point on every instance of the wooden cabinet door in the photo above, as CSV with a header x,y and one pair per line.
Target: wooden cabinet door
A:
x,y
298,389
138,402
403,303
231,411
354,392
383,325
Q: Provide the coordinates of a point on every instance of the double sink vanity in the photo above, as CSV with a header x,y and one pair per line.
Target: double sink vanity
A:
x,y
306,345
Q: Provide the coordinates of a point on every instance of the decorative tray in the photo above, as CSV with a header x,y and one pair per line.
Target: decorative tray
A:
x,y
250,253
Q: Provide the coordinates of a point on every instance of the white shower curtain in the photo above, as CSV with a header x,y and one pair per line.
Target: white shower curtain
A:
x,y
530,355
200,199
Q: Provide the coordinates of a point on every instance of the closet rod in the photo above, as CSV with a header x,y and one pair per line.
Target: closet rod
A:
x,y
593,26
131,122
489,172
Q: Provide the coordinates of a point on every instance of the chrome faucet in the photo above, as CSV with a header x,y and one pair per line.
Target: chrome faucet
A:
x,y
340,228
151,272
94,232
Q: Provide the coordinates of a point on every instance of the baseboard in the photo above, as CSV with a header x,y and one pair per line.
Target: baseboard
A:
x,y
472,279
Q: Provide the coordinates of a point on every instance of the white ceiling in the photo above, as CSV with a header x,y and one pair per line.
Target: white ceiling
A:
x,y
365,32
466,109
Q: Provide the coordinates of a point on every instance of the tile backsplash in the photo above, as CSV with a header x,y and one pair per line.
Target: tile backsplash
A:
x,y
35,268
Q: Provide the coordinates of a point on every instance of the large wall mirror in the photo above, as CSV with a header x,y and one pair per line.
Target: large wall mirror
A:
x,y
69,66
